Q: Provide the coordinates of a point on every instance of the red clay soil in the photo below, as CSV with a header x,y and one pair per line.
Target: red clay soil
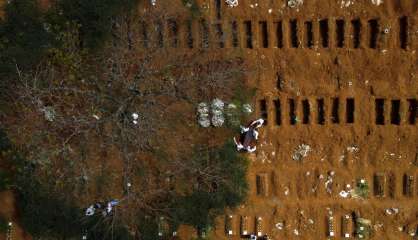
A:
x,y
320,82
320,89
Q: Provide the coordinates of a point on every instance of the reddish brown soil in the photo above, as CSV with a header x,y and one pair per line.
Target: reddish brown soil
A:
x,y
364,74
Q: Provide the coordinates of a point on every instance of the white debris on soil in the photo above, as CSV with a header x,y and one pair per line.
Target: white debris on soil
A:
x,y
344,194
279,225
232,3
329,211
377,226
301,152
217,112
203,111
294,3
153,2
96,117
135,117
391,156
286,191
49,113
346,3
263,157
296,232
353,149
377,2
390,211
328,182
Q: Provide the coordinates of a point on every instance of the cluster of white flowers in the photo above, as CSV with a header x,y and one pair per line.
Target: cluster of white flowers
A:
x,y
346,3
377,2
217,112
203,111
218,107
246,108
301,152
232,114
135,117
232,3
353,149
294,3
49,113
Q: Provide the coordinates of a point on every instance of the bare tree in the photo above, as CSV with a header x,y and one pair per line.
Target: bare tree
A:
x,y
120,123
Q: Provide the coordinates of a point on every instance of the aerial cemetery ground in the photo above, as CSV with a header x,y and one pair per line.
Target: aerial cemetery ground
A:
x,y
149,120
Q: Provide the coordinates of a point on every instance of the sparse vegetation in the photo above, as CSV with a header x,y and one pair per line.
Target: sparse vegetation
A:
x,y
363,228
3,224
45,212
5,180
193,6
76,140
28,33
224,186
361,190
95,17
23,38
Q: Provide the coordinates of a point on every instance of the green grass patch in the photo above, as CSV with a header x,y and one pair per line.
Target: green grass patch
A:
x,y
362,189
194,8
363,228
200,207
4,225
